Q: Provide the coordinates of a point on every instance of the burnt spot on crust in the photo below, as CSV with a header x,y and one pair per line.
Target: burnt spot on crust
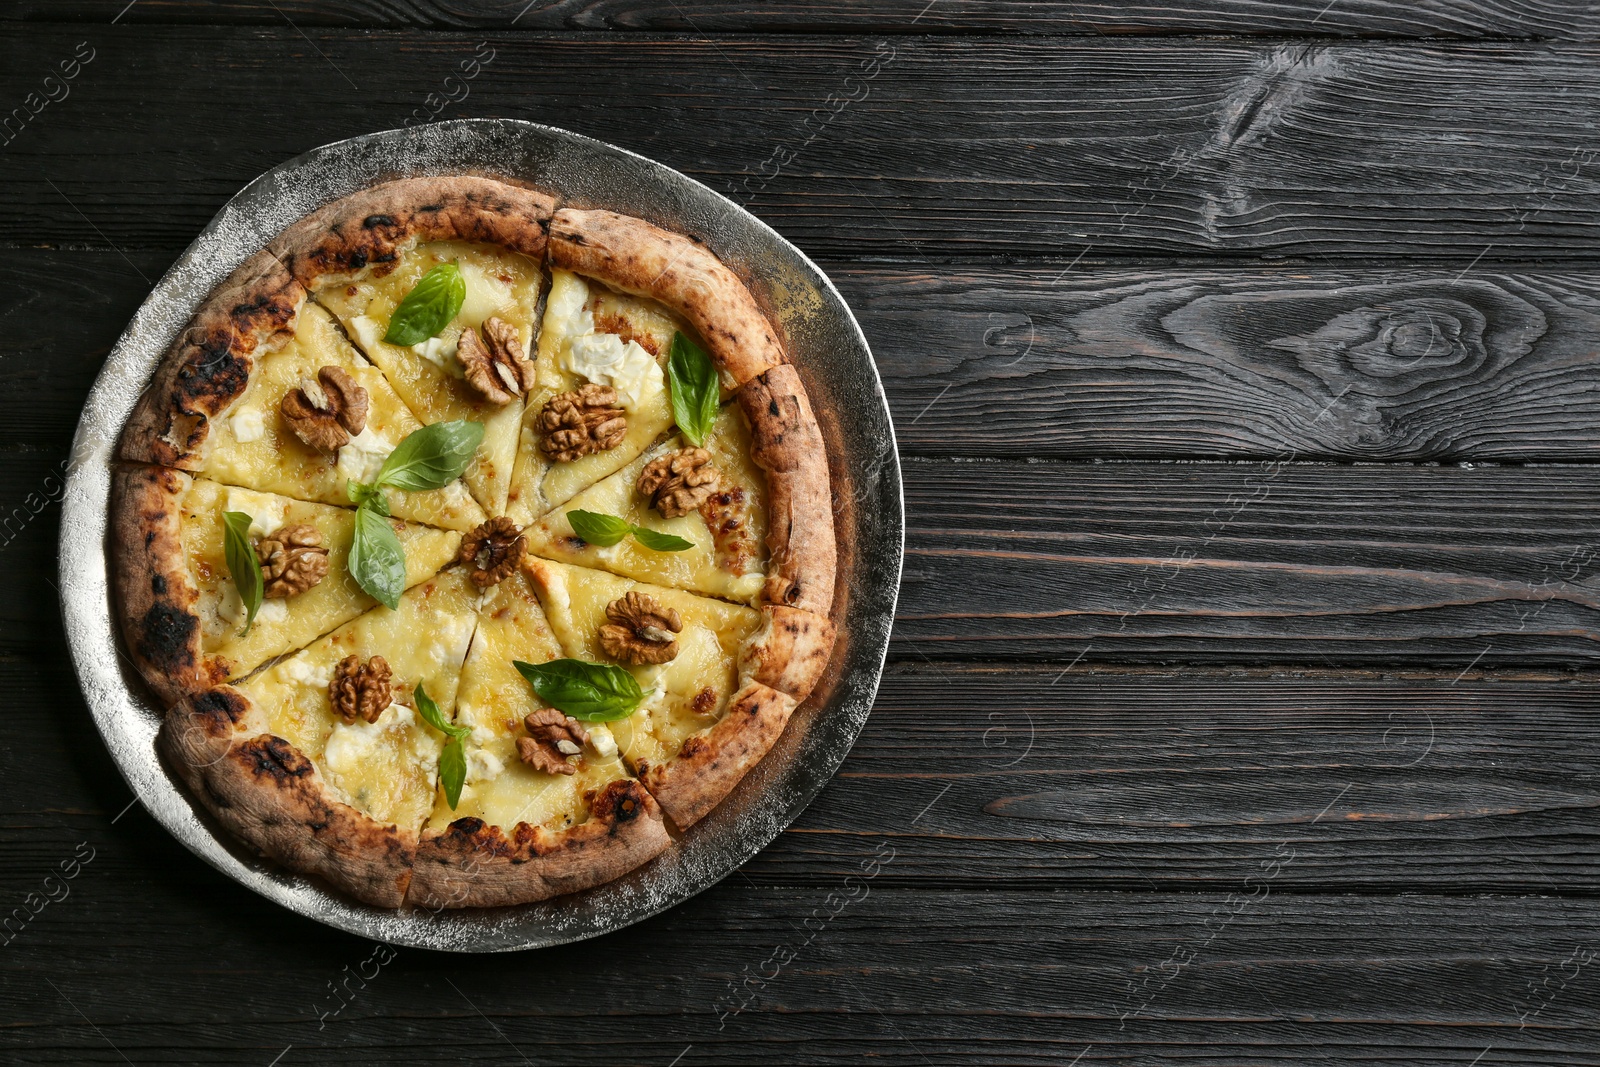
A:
x,y
218,710
158,584
620,802
470,835
372,222
212,377
692,746
166,635
272,758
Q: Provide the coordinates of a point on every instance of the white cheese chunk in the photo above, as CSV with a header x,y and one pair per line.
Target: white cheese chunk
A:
x,y
352,745
369,331
363,456
266,513
452,636
441,352
248,424
601,739
567,313
483,765
302,672
273,610
604,359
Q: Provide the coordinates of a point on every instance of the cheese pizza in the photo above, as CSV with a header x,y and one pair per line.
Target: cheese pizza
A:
x,y
477,545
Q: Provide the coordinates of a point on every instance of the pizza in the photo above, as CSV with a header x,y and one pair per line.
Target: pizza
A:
x,y
477,545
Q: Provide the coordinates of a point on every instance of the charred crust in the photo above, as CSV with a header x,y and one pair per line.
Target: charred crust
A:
x,y
272,758
166,636
219,710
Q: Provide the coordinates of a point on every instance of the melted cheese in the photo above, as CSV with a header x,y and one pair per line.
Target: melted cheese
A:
x,y
386,769
499,283
276,461
730,564
283,624
500,789
713,634
592,334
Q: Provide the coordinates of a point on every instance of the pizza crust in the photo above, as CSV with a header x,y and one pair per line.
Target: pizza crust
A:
x,y
209,365
471,864
636,257
709,765
155,596
370,230
786,443
266,792
790,652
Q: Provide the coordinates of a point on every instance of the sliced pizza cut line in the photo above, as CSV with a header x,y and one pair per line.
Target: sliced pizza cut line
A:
x,y
713,498
600,396
181,611
322,760
473,365
547,806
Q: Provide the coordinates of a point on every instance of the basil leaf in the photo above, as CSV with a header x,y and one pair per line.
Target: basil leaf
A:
x,y
434,717
429,307
432,457
364,495
593,692
377,562
453,771
660,542
696,394
598,529
243,563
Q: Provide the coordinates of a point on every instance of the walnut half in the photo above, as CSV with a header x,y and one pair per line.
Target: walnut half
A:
x,y
495,365
292,560
493,549
360,690
580,422
679,482
552,739
327,411
640,630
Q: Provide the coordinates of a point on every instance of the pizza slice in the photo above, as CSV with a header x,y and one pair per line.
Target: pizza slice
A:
x,y
547,806
600,396
473,365
713,497
323,761
703,722
182,613
274,439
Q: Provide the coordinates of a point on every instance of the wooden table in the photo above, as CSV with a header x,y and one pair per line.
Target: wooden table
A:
x,y
1242,704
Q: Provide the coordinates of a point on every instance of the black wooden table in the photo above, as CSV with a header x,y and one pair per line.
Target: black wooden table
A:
x,y
1245,357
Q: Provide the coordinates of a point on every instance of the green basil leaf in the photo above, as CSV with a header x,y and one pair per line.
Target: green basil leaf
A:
x,y
657,541
377,562
432,457
453,771
593,692
598,529
696,393
243,564
363,495
429,307
434,717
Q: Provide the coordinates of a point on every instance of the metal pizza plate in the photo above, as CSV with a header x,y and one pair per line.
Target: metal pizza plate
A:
x,y
826,346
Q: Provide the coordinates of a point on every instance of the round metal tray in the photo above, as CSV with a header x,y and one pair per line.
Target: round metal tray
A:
x,y
826,346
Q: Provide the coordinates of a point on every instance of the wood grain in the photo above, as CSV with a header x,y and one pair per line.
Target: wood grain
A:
x,y
854,147
1014,362
873,973
1370,365
1356,18
1251,563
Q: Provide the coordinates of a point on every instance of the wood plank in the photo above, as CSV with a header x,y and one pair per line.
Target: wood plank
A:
x,y
1357,18
1251,563
857,147
1274,365
983,776
857,971
1370,365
